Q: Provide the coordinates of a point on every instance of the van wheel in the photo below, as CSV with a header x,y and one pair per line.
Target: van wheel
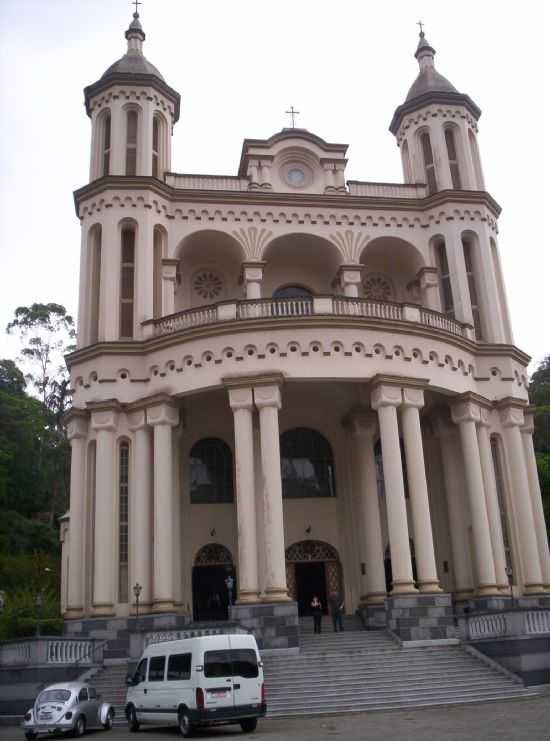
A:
x,y
184,724
249,724
133,723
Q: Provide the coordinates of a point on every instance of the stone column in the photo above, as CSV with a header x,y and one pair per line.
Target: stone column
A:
x,y
385,400
109,295
428,279
364,429
77,431
413,400
453,467
242,404
118,138
491,498
511,414
144,269
268,401
536,499
441,156
169,267
144,164
265,174
163,416
252,274
457,273
350,280
104,422
466,415
141,508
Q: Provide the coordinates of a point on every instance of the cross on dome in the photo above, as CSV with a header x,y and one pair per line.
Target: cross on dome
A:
x,y
421,26
136,3
293,115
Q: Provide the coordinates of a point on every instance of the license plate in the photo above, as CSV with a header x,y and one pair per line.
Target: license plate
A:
x,y
218,694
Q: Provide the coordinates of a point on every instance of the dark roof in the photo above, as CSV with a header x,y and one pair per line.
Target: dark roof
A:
x,y
133,63
429,80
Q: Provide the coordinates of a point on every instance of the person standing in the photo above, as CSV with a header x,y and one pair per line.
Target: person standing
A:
x,y
317,612
336,607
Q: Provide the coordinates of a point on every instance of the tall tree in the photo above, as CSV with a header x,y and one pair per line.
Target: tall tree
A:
x,y
539,393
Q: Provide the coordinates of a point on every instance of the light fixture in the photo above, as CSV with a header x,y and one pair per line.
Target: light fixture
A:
x,y
213,532
308,529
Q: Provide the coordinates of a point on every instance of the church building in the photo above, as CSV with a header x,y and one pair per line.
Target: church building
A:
x,y
289,384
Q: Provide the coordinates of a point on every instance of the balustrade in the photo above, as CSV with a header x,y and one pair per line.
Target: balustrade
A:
x,y
487,626
537,622
206,182
387,190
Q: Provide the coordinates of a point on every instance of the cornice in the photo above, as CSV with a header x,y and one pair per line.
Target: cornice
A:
x,y
270,378
402,381
143,347
342,200
132,80
442,98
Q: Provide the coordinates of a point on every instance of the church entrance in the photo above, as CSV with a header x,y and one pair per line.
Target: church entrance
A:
x,y
214,583
312,568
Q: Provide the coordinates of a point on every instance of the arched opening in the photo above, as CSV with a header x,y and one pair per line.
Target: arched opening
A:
x,y
209,270
445,288
106,143
450,143
312,569
476,160
214,583
127,276
470,246
292,291
211,472
391,269
307,464
300,260
406,160
131,141
428,159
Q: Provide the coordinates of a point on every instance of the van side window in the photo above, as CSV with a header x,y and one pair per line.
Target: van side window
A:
x,y
156,668
179,666
141,671
217,664
245,663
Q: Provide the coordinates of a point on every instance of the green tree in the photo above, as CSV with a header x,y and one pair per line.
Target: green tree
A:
x,y
539,393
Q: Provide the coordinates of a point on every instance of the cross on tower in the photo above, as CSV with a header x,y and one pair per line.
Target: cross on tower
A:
x,y
293,114
421,26
136,3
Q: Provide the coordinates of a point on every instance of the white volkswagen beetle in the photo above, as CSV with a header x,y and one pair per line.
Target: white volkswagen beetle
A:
x,y
70,706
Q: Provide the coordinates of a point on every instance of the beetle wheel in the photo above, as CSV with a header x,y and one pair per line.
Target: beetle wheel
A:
x,y
108,721
30,735
80,727
184,724
133,723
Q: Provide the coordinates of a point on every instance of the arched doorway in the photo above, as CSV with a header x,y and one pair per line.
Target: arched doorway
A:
x,y
312,568
211,598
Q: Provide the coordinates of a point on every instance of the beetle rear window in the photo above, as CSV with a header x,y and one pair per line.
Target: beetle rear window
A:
x,y
54,696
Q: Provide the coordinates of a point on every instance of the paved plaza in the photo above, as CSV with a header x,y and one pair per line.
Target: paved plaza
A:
x,y
520,720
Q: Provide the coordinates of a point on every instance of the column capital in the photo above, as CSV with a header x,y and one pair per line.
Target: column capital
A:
x,y
137,420
163,412
350,273
104,414
252,270
76,421
413,397
241,398
267,396
385,395
361,422
512,416
428,277
468,407
529,417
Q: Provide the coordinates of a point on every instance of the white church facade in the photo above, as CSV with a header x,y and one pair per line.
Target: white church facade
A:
x,y
306,383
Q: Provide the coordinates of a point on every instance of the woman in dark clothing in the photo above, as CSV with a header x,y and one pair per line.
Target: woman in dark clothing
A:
x,y
317,612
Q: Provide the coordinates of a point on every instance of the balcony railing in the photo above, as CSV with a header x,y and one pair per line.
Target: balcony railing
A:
x,y
303,307
43,650
206,182
387,190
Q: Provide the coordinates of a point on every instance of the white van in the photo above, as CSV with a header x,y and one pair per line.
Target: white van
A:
x,y
196,682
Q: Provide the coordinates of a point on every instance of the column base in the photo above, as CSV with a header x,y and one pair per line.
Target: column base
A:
x,y
163,606
488,590
404,587
421,617
374,598
103,610
73,613
248,597
534,589
429,587
463,595
504,589
274,624
276,595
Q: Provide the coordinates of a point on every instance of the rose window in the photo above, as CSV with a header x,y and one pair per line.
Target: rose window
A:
x,y
378,287
207,284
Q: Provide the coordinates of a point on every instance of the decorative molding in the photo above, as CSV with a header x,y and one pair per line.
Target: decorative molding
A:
x,y
253,240
350,244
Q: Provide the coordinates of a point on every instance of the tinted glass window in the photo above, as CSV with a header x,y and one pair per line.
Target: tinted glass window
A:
x,y
179,666
307,465
156,668
54,696
92,693
211,472
141,671
217,664
245,663
83,695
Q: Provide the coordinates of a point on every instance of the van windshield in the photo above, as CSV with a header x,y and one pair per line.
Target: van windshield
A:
x,y
237,662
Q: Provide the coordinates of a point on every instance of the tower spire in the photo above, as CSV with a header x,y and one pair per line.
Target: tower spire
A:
x,y
425,52
135,34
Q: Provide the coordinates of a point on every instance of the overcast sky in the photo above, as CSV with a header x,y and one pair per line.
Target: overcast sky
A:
x,y
238,66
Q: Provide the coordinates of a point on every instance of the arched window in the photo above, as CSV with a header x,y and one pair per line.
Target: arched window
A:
x,y
429,166
106,143
211,472
307,464
292,291
131,142
94,274
127,268
406,160
445,290
475,159
453,161
156,147
470,273
123,478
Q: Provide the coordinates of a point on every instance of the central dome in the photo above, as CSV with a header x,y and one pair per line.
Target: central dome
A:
x,y
132,63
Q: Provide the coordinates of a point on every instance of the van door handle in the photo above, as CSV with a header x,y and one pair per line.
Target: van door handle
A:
x,y
144,692
236,686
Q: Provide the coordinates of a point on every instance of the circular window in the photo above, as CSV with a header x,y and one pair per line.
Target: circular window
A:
x,y
296,176
207,284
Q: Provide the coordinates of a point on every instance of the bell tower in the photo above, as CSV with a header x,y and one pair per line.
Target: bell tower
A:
x,y
133,112
436,130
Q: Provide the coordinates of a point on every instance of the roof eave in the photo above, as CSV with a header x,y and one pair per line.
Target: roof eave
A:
x,y
432,97
123,78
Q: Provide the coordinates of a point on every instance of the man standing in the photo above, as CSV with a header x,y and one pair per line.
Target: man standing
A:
x,y
336,607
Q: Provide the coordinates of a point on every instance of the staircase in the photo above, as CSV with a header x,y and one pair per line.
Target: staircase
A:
x,y
110,683
360,670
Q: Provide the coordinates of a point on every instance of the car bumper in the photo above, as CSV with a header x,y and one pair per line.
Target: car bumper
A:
x,y
219,715
47,727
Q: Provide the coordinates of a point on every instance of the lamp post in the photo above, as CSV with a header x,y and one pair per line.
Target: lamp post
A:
x,y
137,591
38,603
